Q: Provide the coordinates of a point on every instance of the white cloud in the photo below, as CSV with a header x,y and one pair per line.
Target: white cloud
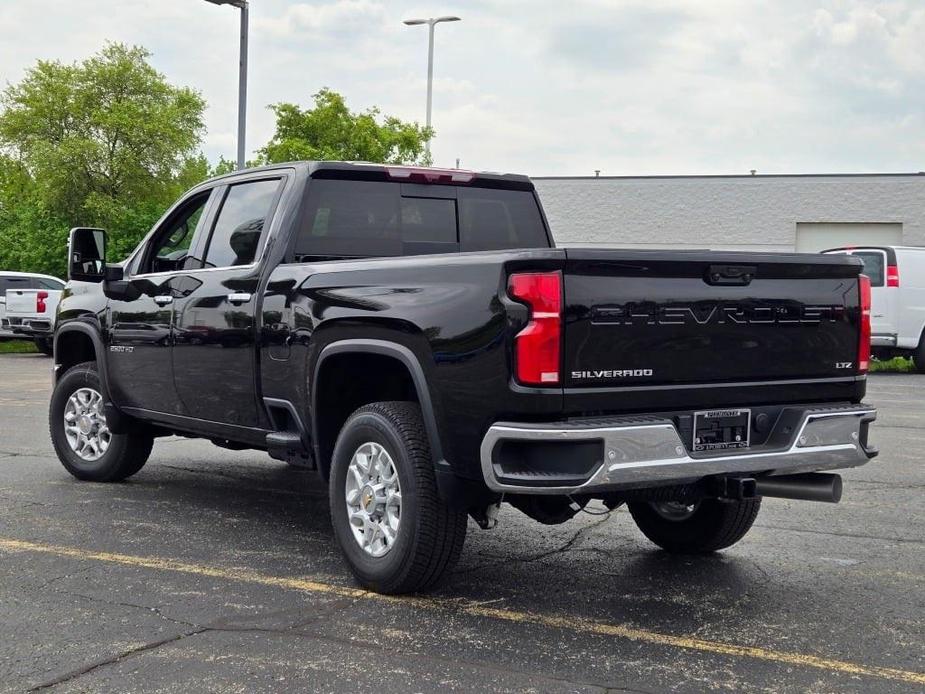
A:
x,y
314,19
906,48
629,86
224,141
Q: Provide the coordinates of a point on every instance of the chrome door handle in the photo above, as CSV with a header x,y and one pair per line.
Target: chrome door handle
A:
x,y
238,298
163,299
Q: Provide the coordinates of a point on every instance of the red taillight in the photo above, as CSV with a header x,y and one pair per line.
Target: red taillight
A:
x,y
864,344
892,276
40,301
429,175
536,347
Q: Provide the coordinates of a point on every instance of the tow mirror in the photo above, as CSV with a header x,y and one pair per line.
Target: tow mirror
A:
x,y
86,255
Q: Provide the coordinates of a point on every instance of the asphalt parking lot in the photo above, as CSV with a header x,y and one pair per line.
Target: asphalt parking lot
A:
x,y
214,570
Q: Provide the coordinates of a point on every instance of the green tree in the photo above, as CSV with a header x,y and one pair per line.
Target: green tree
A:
x,y
329,130
28,239
104,142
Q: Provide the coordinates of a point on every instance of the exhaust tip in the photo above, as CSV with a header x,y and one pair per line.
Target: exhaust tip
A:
x,y
812,486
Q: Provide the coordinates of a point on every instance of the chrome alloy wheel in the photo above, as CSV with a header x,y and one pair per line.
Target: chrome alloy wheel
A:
x,y
373,497
85,424
675,510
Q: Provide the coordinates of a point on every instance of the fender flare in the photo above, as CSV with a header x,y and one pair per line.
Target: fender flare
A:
x,y
409,360
98,348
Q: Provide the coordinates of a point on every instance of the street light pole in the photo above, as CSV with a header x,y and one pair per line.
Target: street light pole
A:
x,y
431,23
430,74
242,74
242,84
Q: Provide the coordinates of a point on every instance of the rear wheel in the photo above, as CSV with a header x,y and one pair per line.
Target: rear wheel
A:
x,y
918,356
702,527
80,435
393,528
45,345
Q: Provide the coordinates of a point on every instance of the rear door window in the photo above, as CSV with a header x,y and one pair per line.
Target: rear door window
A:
x,y
242,219
874,262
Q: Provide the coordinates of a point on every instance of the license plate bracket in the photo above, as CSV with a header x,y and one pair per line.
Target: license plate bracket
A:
x,y
719,430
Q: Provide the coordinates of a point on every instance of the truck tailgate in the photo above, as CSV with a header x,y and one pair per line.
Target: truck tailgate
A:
x,y
683,317
22,302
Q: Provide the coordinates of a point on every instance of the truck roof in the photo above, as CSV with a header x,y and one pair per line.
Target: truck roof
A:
x,y
13,273
364,170
861,246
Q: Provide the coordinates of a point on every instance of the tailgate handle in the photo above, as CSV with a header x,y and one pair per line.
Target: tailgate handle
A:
x,y
730,275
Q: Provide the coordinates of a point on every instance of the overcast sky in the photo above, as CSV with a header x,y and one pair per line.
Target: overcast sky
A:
x,y
546,88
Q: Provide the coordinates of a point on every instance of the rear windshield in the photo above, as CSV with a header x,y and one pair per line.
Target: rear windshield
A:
x,y
873,266
15,283
357,219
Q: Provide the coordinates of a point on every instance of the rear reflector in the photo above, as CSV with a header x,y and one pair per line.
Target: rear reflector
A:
x,y
537,346
892,276
40,301
864,344
429,175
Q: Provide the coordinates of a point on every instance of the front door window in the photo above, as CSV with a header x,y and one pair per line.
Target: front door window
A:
x,y
171,249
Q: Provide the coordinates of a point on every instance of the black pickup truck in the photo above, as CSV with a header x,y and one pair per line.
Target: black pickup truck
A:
x,y
415,336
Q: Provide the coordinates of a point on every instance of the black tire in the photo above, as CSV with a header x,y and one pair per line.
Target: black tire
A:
x,y
712,526
918,356
45,345
126,454
430,534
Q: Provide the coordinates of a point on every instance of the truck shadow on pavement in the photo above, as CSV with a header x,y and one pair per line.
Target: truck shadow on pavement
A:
x,y
278,517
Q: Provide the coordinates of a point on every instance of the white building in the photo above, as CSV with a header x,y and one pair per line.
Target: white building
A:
x,y
762,213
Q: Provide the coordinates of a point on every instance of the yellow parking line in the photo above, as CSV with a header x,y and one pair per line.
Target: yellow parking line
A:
x,y
476,609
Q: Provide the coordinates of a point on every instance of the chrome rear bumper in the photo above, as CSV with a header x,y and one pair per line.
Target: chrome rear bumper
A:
x,y
648,451
28,326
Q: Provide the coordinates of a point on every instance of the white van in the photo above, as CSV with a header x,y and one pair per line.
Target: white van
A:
x,y
897,284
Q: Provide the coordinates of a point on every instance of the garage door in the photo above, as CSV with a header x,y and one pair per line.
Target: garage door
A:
x,y
813,237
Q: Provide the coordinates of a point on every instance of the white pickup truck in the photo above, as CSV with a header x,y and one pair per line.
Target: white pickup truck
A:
x,y
28,303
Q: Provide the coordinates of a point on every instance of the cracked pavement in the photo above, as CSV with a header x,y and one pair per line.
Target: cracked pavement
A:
x,y
844,582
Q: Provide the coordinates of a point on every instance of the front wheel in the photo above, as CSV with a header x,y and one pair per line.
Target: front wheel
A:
x,y
80,435
395,532
699,528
